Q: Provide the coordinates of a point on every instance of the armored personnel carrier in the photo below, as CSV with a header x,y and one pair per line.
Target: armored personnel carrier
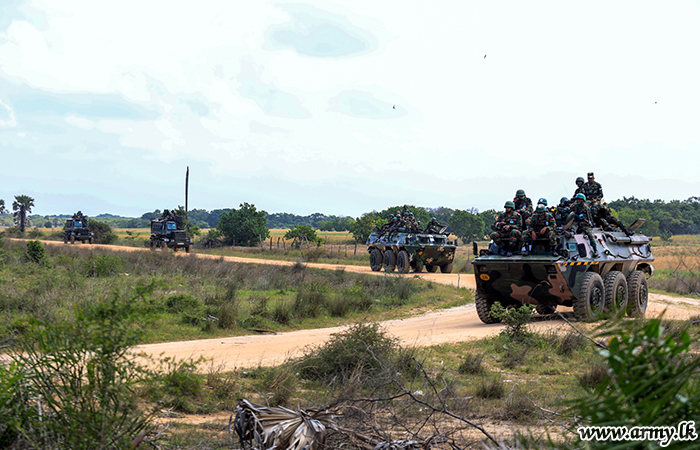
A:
x,y
166,232
76,229
613,283
403,250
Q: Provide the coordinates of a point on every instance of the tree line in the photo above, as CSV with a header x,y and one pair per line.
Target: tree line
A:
x,y
248,226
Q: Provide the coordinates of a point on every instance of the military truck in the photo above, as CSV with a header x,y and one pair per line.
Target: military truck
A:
x,y
167,232
404,250
76,229
613,283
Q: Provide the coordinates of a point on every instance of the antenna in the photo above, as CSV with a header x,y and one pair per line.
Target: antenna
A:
x,y
187,183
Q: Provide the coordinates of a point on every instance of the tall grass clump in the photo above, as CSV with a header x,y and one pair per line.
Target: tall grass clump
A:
x,y
311,297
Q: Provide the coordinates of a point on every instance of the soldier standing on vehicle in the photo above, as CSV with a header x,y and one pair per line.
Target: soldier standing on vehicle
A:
x,y
541,226
562,211
579,189
584,222
507,228
523,204
592,189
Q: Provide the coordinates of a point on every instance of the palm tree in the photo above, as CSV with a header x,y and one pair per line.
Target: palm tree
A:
x,y
22,205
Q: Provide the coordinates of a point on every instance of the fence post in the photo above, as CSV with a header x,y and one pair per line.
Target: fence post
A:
x,y
355,254
346,250
270,242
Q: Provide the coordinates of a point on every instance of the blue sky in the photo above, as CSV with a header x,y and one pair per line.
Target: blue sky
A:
x,y
344,108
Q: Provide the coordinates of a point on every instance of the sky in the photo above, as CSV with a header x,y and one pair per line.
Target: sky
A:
x,y
345,107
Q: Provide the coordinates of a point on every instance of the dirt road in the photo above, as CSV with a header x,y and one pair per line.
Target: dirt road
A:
x,y
451,325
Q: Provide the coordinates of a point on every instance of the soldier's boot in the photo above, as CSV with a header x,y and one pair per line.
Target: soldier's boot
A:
x,y
595,253
509,252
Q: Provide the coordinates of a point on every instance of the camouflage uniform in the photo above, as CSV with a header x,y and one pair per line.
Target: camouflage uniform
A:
x,y
562,212
433,227
593,191
523,205
606,220
507,230
542,226
583,223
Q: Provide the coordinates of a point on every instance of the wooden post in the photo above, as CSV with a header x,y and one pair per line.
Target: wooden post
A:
x,y
346,250
355,254
278,242
270,242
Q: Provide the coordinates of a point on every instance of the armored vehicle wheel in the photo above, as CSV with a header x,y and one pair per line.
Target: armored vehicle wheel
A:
x,y
389,261
175,249
483,308
153,245
545,309
90,241
591,297
65,239
615,292
638,294
187,249
375,260
72,239
446,268
403,265
431,268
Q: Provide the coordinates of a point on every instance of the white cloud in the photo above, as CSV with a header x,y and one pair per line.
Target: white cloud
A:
x,y
80,122
7,116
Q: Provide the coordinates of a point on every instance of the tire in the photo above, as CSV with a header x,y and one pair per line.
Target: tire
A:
x,y
72,239
389,261
616,292
638,294
446,268
187,249
375,260
65,239
431,268
590,303
403,265
545,309
175,249
90,241
483,308
153,245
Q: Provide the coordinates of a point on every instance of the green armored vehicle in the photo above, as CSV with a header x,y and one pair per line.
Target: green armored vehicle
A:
x,y
404,250
167,232
615,282
76,229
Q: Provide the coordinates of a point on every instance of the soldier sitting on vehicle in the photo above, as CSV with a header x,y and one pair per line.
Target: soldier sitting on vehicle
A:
x,y
523,204
584,222
604,218
562,211
541,226
433,227
507,228
579,189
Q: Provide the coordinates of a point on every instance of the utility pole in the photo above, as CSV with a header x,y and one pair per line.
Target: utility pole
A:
x,y
187,183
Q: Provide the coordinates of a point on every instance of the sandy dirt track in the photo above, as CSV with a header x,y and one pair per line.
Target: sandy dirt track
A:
x,y
450,325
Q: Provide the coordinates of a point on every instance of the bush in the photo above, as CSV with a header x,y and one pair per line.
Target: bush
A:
x,y
102,266
515,320
311,297
189,308
363,352
473,364
78,375
490,388
653,381
103,232
36,253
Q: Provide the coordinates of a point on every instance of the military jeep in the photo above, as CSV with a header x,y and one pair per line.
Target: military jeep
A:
x,y
77,230
167,233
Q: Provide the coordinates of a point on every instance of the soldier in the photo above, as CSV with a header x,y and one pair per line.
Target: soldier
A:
x,y
541,225
433,227
562,211
523,204
584,222
605,220
507,229
592,189
579,183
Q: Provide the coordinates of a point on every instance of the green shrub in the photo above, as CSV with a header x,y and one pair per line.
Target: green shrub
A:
x,y
191,310
36,253
311,297
515,320
473,364
102,266
653,381
103,232
179,384
363,351
490,388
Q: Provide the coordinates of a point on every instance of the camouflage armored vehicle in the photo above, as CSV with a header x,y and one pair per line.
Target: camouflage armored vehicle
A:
x,y
76,229
167,232
404,250
615,282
